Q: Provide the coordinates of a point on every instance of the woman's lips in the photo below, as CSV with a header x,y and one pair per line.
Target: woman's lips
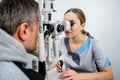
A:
x,y
68,32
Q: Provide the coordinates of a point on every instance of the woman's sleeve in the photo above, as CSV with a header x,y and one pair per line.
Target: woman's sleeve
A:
x,y
99,53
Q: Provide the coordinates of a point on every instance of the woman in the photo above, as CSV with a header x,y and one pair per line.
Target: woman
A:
x,y
82,54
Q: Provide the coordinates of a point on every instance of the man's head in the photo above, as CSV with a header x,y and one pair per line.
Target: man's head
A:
x,y
20,19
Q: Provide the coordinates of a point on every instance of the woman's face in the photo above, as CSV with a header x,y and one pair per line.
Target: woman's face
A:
x,y
76,29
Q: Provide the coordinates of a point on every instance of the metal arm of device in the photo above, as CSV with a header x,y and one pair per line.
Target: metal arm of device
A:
x,y
48,37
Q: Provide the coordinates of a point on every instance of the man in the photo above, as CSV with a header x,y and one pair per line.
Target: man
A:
x,y
19,29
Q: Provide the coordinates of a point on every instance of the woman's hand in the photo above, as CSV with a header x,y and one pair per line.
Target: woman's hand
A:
x,y
69,74
59,66
104,74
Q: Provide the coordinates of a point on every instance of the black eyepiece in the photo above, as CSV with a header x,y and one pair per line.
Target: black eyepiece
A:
x,y
60,28
71,22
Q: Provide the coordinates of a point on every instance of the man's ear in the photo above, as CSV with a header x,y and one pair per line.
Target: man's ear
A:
x,y
23,31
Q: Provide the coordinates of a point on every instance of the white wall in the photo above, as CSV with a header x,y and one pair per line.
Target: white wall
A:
x,y
103,22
